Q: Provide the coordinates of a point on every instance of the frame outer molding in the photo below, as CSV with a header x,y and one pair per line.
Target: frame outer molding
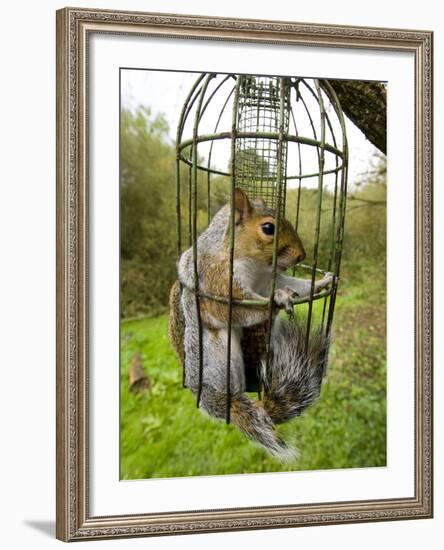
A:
x,y
63,387
73,521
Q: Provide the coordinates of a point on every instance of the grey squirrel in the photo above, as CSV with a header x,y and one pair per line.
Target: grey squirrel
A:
x,y
295,373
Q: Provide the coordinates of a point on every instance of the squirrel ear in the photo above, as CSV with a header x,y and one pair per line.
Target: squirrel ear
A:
x,y
260,202
242,206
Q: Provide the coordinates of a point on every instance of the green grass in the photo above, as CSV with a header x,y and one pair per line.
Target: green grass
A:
x,y
163,434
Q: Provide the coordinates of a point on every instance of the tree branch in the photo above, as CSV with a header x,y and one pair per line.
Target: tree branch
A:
x,y
367,201
365,104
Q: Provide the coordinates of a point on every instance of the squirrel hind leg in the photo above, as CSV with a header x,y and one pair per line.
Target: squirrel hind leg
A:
x,y
214,360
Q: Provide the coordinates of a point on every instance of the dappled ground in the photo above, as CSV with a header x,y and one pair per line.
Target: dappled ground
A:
x,y
163,434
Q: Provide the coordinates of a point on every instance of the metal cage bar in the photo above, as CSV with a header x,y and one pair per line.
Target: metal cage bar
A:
x,y
342,206
185,109
321,160
194,233
232,237
210,154
264,121
333,219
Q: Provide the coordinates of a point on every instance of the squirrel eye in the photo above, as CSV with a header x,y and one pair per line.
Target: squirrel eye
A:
x,y
268,228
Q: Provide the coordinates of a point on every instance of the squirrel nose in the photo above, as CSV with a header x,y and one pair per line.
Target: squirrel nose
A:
x,y
301,256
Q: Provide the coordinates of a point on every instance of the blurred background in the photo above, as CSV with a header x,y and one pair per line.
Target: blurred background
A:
x,y
163,434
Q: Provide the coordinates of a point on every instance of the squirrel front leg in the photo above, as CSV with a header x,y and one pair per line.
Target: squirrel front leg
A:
x,y
214,285
291,288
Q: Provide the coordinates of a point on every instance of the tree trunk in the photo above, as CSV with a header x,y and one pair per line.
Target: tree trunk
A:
x,y
365,104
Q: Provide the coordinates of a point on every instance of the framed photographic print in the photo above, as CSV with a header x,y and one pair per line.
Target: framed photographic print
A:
x,y
244,274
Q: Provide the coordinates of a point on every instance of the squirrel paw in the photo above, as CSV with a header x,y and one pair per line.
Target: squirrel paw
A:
x,y
285,298
324,282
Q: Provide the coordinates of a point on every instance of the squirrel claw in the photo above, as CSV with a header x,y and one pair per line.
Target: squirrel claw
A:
x,y
292,293
326,281
285,298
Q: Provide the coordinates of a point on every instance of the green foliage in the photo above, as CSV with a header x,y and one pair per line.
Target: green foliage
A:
x,y
147,219
148,215
364,245
365,231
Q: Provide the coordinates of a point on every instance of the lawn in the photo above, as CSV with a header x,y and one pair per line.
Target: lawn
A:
x,y
163,434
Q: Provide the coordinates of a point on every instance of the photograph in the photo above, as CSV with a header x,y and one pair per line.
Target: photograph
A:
x,y
252,273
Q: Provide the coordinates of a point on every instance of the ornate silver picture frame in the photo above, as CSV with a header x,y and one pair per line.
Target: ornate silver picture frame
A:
x,y
74,210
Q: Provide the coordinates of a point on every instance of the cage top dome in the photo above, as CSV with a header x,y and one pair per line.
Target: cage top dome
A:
x,y
256,112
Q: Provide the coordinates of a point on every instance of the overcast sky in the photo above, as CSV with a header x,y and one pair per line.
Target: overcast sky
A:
x,y
165,92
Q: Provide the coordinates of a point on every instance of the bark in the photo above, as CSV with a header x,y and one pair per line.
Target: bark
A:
x,y
365,104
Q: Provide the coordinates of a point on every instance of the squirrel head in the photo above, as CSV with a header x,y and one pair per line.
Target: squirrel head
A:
x,y
255,233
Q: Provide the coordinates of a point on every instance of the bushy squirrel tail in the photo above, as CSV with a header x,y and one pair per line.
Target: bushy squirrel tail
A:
x,y
294,379
249,417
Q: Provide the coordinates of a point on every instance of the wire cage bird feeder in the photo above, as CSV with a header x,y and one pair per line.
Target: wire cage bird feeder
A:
x,y
282,140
